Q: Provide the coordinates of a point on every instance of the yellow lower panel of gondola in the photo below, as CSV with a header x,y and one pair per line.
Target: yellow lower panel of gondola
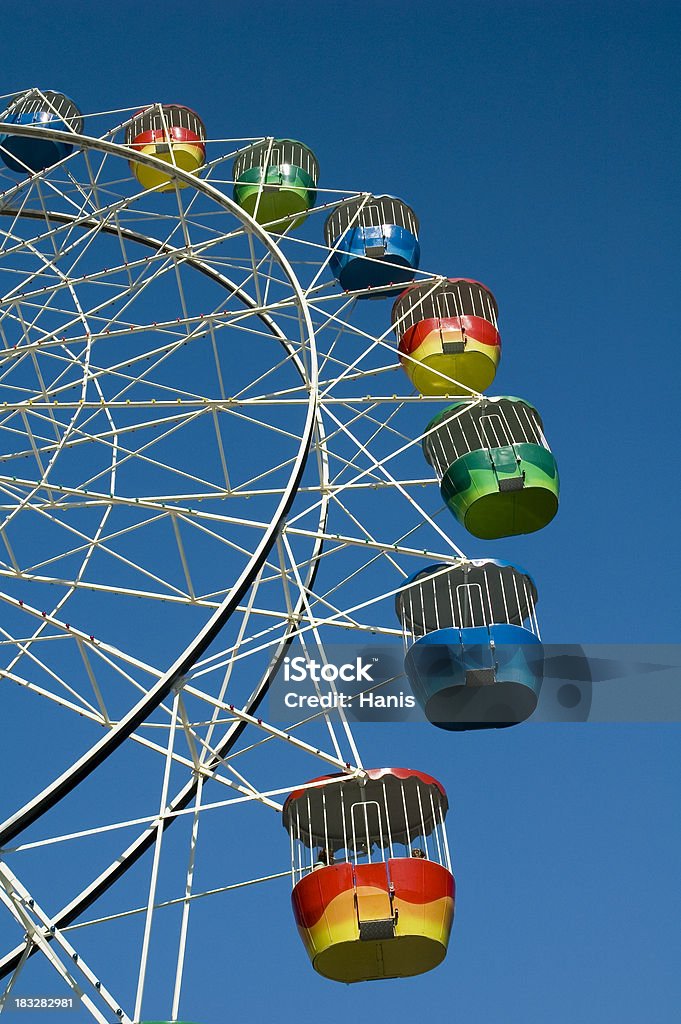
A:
x,y
401,957
179,154
436,372
328,908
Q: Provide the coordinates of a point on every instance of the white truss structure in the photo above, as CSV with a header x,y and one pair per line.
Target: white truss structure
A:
x,y
199,436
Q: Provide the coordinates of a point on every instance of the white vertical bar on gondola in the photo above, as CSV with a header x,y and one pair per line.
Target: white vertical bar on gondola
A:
x,y
345,828
437,838
327,845
293,849
300,841
387,820
423,822
444,833
309,830
407,839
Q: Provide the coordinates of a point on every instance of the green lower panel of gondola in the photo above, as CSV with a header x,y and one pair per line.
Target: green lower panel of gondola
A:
x,y
283,195
503,491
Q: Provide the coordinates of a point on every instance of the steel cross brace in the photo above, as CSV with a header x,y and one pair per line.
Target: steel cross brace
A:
x,y
38,926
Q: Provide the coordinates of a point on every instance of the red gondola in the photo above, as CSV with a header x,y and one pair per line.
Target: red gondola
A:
x,y
373,891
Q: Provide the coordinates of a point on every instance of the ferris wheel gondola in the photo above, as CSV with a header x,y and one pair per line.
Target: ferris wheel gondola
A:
x,y
448,337
29,154
497,473
374,244
172,133
275,181
379,900
473,651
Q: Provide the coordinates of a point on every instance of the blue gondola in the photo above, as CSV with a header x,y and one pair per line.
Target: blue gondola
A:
x,y
375,243
474,658
51,110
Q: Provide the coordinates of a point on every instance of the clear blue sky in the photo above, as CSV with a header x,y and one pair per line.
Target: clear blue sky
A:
x,y
539,144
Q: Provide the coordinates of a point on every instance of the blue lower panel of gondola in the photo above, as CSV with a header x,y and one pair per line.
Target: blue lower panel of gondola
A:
x,y
476,678
375,258
22,154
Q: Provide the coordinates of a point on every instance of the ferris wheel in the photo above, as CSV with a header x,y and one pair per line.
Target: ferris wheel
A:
x,y
237,421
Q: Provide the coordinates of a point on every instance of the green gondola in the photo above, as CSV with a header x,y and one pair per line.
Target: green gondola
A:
x,y
275,181
497,473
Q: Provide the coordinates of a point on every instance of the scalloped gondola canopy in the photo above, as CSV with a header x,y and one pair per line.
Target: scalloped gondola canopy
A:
x,y
409,800
428,599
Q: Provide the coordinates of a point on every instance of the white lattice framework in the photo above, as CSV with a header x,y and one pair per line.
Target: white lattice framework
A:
x,y
207,453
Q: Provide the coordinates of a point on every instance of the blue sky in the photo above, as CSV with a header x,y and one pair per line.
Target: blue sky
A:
x,y
538,144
